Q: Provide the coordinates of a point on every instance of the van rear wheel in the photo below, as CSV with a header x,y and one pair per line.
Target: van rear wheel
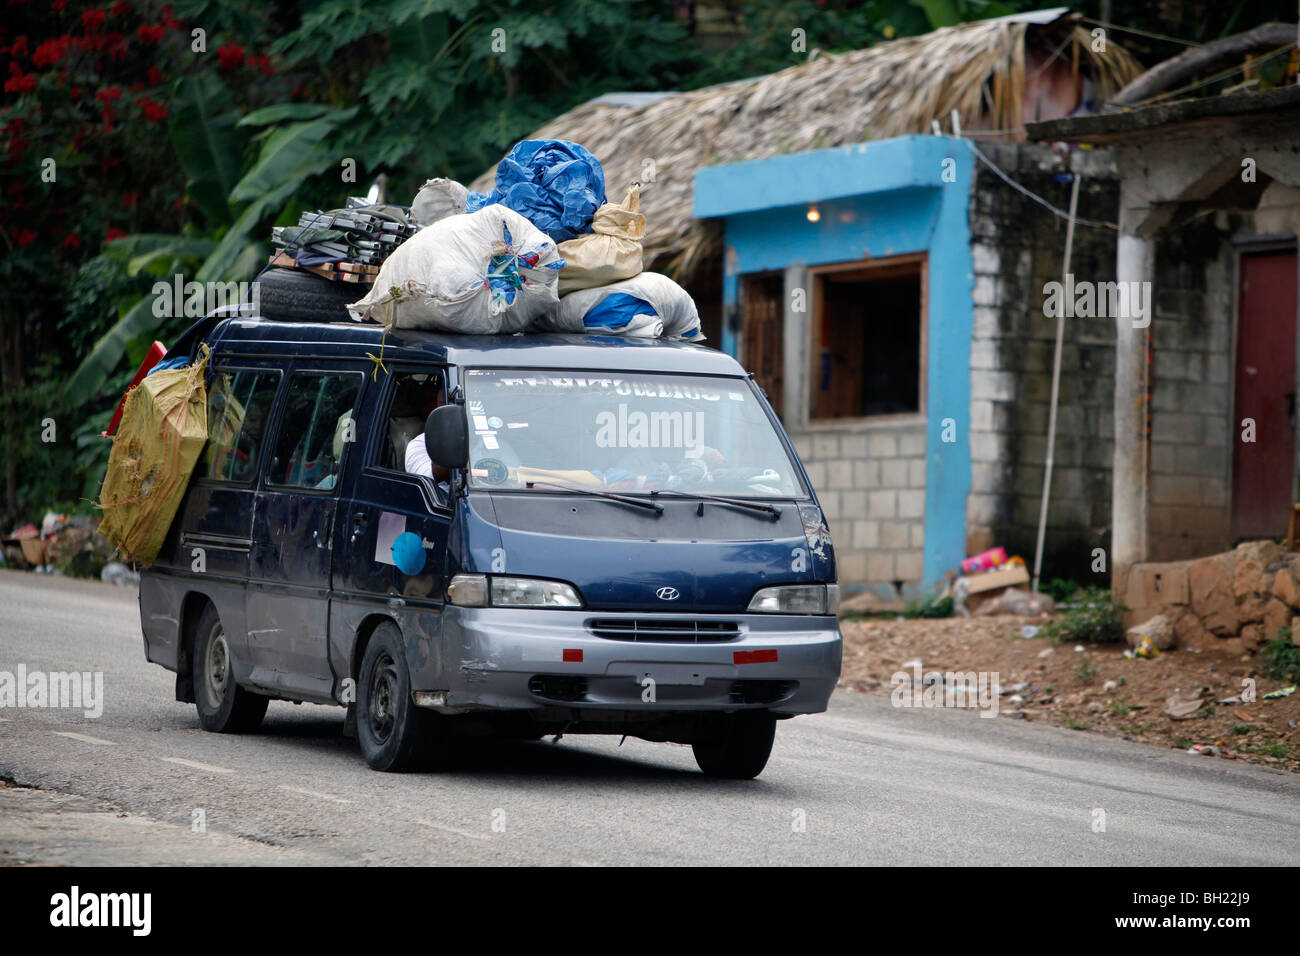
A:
x,y
394,734
224,707
735,746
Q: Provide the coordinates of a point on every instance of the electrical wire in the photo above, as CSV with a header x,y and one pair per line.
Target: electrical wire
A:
x,y
1214,78
1137,32
1060,213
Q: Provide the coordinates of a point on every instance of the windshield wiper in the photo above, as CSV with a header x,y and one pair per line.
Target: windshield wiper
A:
x,y
773,510
639,502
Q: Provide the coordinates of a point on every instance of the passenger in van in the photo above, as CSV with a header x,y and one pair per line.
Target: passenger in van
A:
x,y
430,396
342,427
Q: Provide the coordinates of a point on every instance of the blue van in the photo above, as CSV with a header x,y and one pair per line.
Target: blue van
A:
x,y
521,535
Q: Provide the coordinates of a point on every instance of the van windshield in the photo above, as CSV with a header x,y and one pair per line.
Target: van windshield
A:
x,y
625,432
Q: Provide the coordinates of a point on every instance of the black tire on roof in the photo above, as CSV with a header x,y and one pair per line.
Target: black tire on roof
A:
x,y
296,296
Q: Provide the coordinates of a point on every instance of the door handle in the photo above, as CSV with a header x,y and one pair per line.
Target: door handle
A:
x,y
359,521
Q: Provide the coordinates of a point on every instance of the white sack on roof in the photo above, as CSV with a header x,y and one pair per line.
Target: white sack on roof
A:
x,y
646,304
438,199
483,273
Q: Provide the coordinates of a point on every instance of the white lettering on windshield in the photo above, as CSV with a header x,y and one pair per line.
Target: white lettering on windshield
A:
x,y
619,386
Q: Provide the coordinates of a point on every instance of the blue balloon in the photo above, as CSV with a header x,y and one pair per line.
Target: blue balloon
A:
x,y
408,553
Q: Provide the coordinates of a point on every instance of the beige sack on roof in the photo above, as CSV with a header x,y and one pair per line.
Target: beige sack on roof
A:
x,y
611,251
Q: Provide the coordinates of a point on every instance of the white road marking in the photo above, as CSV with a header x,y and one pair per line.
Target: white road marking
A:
x,y
86,739
198,766
314,793
464,833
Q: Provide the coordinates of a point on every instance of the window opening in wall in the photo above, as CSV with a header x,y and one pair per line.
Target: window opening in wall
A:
x,y
868,340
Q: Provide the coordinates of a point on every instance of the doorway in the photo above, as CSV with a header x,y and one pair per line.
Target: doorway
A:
x,y
1263,470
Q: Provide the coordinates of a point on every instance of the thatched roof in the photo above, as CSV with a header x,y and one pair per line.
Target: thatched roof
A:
x,y
890,89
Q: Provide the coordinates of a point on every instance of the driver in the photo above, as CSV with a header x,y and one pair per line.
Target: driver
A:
x,y
642,469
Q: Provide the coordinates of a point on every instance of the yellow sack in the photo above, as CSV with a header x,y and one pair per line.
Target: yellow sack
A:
x,y
611,251
163,430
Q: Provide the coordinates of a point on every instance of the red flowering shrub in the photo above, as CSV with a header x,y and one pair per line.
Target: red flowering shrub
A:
x,y
50,52
18,82
153,112
230,56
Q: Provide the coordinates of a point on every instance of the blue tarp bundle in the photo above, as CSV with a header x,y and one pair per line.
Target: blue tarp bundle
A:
x,y
554,184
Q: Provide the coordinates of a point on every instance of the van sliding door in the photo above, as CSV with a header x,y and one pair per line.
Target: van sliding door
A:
x,y
293,528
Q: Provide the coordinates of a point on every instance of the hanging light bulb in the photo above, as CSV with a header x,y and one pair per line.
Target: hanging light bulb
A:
x,y
814,214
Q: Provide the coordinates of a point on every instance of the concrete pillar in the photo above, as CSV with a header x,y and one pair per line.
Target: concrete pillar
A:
x,y
1135,257
796,326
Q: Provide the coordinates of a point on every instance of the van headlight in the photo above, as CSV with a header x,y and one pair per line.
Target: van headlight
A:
x,y
481,590
797,599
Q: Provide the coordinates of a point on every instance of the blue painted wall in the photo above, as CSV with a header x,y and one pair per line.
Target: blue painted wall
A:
x,y
904,195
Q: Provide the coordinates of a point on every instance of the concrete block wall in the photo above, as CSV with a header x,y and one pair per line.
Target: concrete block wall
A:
x,y
870,480
1018,247
1191,391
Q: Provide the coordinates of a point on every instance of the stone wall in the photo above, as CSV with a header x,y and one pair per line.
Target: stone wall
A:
x,y
1235,600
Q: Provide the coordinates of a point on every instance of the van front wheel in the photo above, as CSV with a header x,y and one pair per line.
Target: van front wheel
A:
x,y
224,707
735,746
394,734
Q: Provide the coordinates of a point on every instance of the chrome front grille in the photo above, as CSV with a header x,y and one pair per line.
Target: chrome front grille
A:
x,y
659,630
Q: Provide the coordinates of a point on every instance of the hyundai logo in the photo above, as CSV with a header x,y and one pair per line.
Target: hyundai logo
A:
x,y
668,594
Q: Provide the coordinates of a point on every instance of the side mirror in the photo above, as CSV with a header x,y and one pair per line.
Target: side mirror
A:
x,y
446,436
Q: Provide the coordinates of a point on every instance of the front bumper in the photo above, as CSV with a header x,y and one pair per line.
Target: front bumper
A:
x,y
512,659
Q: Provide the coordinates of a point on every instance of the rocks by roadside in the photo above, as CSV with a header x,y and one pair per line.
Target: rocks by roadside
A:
x,y
1093,689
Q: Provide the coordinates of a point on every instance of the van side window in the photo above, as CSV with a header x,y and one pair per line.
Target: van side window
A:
x,y
316,428
415,395
239,404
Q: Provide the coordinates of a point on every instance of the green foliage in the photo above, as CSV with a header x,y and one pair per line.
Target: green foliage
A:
x,y
1059,589
1084,671
1093,617
936,607
1280,657
448,86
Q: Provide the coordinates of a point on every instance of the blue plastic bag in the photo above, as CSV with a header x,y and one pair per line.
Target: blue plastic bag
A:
x,y
554,184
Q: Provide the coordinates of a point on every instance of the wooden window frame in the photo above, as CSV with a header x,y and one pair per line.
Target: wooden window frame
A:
x,y
867,270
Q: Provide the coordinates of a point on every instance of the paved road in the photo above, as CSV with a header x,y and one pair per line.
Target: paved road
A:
x,y
872,784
